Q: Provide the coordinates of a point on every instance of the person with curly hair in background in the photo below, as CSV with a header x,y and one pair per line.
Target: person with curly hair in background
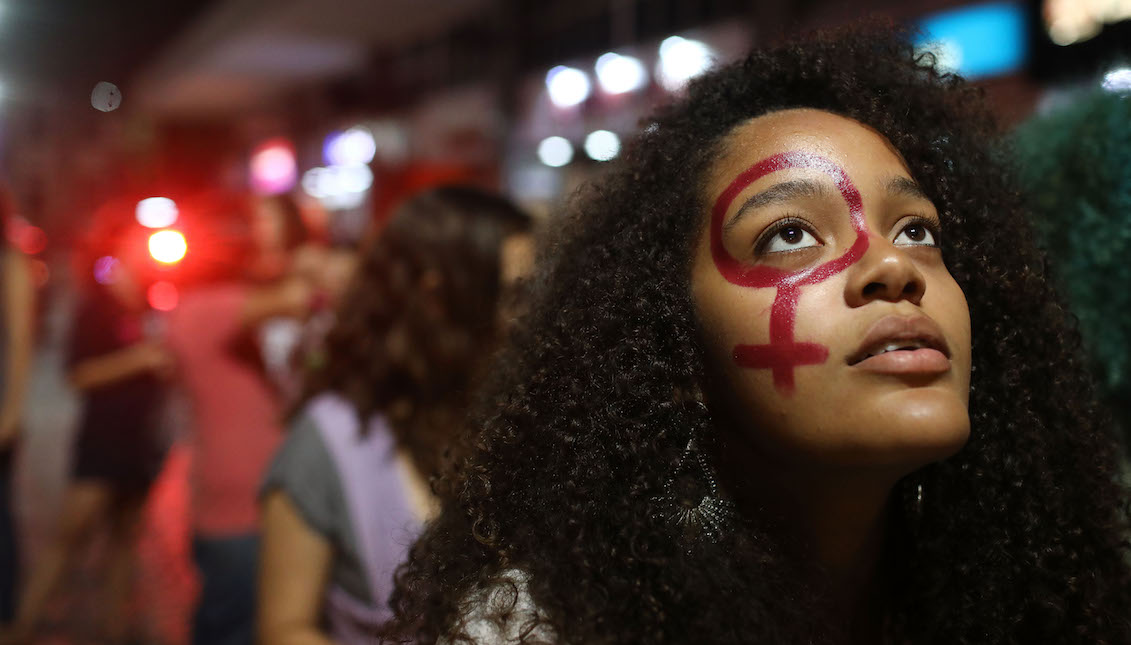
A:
x,y
347,492
793,373
1073,168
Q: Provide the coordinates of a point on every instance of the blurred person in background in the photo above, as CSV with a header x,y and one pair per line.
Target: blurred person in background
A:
x,y
290,244
235,410
17,298
348,490
1074,169
794,373
119,368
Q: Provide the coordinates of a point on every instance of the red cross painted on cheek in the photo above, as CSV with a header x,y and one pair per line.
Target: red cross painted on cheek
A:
x,y
783,354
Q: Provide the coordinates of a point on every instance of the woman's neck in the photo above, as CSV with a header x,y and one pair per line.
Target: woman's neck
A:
x,y
838,516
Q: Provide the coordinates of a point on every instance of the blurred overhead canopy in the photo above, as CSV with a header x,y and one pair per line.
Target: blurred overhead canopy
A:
x,y
242,52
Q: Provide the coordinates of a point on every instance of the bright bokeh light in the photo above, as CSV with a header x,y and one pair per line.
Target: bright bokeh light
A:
x,y
682,59
104,269
947,52
355,146
156,212
168,246
1118,80
1073,21
162,296
273,168
25,236
618,74
602,145
567,86
32,240
338,187
977,41
555,151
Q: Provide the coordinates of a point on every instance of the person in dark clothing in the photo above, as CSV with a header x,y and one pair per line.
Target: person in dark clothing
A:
x,y
118,367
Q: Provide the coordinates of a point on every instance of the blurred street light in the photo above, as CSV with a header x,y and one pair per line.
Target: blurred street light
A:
x,y
618,74
682,59
273,168
168,246
555,151
1118,80
352,147
602,145
156,212
568,86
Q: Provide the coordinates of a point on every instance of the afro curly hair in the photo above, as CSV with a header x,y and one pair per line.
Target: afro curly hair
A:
x,y
1022,537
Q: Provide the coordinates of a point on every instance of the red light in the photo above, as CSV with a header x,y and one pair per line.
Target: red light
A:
x,y
27,237
162,296
168,246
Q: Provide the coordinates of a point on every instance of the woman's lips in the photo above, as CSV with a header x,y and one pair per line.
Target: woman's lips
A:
x,y
906,361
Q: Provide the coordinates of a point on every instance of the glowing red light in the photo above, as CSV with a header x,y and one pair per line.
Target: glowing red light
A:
x,y
33,240
168,246
162,296
27,237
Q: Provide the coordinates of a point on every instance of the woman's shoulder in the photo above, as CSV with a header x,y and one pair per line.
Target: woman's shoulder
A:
x,y
332,414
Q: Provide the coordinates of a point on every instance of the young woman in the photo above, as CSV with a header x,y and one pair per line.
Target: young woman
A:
x,y
348,490
235,409
119,367
794,375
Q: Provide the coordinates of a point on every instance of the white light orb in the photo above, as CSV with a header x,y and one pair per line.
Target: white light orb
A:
x,y
555,151
602,145
682,59
568,86
618,74
156,212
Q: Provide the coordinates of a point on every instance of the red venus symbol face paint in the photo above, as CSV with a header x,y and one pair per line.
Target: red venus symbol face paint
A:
x,y
783,353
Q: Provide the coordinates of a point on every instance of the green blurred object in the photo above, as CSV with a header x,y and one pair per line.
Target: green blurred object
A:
x,y
1075,165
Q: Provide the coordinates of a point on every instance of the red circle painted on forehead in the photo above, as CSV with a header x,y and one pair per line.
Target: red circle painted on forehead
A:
x,y
745,275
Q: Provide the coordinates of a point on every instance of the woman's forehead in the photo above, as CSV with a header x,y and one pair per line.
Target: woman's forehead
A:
x,y
852,145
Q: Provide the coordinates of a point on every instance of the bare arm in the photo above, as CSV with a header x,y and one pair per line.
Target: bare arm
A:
x,y
119,365
19,308
294,567
289,297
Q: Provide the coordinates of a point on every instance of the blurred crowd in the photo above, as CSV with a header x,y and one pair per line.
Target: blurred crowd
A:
x,y
284,354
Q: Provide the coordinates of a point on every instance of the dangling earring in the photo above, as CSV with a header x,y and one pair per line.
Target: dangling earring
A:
x,y
691,498
913,503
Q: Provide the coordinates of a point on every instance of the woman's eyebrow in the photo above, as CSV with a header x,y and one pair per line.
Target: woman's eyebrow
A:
x,y
899,186
782,192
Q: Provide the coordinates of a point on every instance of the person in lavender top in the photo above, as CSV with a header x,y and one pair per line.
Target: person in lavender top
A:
x,y
347,492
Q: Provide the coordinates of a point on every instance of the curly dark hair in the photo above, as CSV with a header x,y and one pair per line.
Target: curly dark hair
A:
x,y
421,317
1022,535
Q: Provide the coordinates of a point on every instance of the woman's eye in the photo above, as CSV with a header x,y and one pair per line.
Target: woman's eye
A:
x,y
916,234
789,238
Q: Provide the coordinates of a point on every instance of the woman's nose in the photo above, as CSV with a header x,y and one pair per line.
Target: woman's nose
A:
x,y
884,272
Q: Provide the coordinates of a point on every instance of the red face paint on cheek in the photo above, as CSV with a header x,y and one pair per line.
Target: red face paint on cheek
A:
x,y
783,354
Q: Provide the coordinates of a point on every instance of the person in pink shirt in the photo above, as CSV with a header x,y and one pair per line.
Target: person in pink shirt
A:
x,y
235,426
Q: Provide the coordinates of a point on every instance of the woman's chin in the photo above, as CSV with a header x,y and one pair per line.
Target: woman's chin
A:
x,y
919,426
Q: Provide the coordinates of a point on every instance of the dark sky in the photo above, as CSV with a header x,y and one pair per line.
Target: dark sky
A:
x,y
48,46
